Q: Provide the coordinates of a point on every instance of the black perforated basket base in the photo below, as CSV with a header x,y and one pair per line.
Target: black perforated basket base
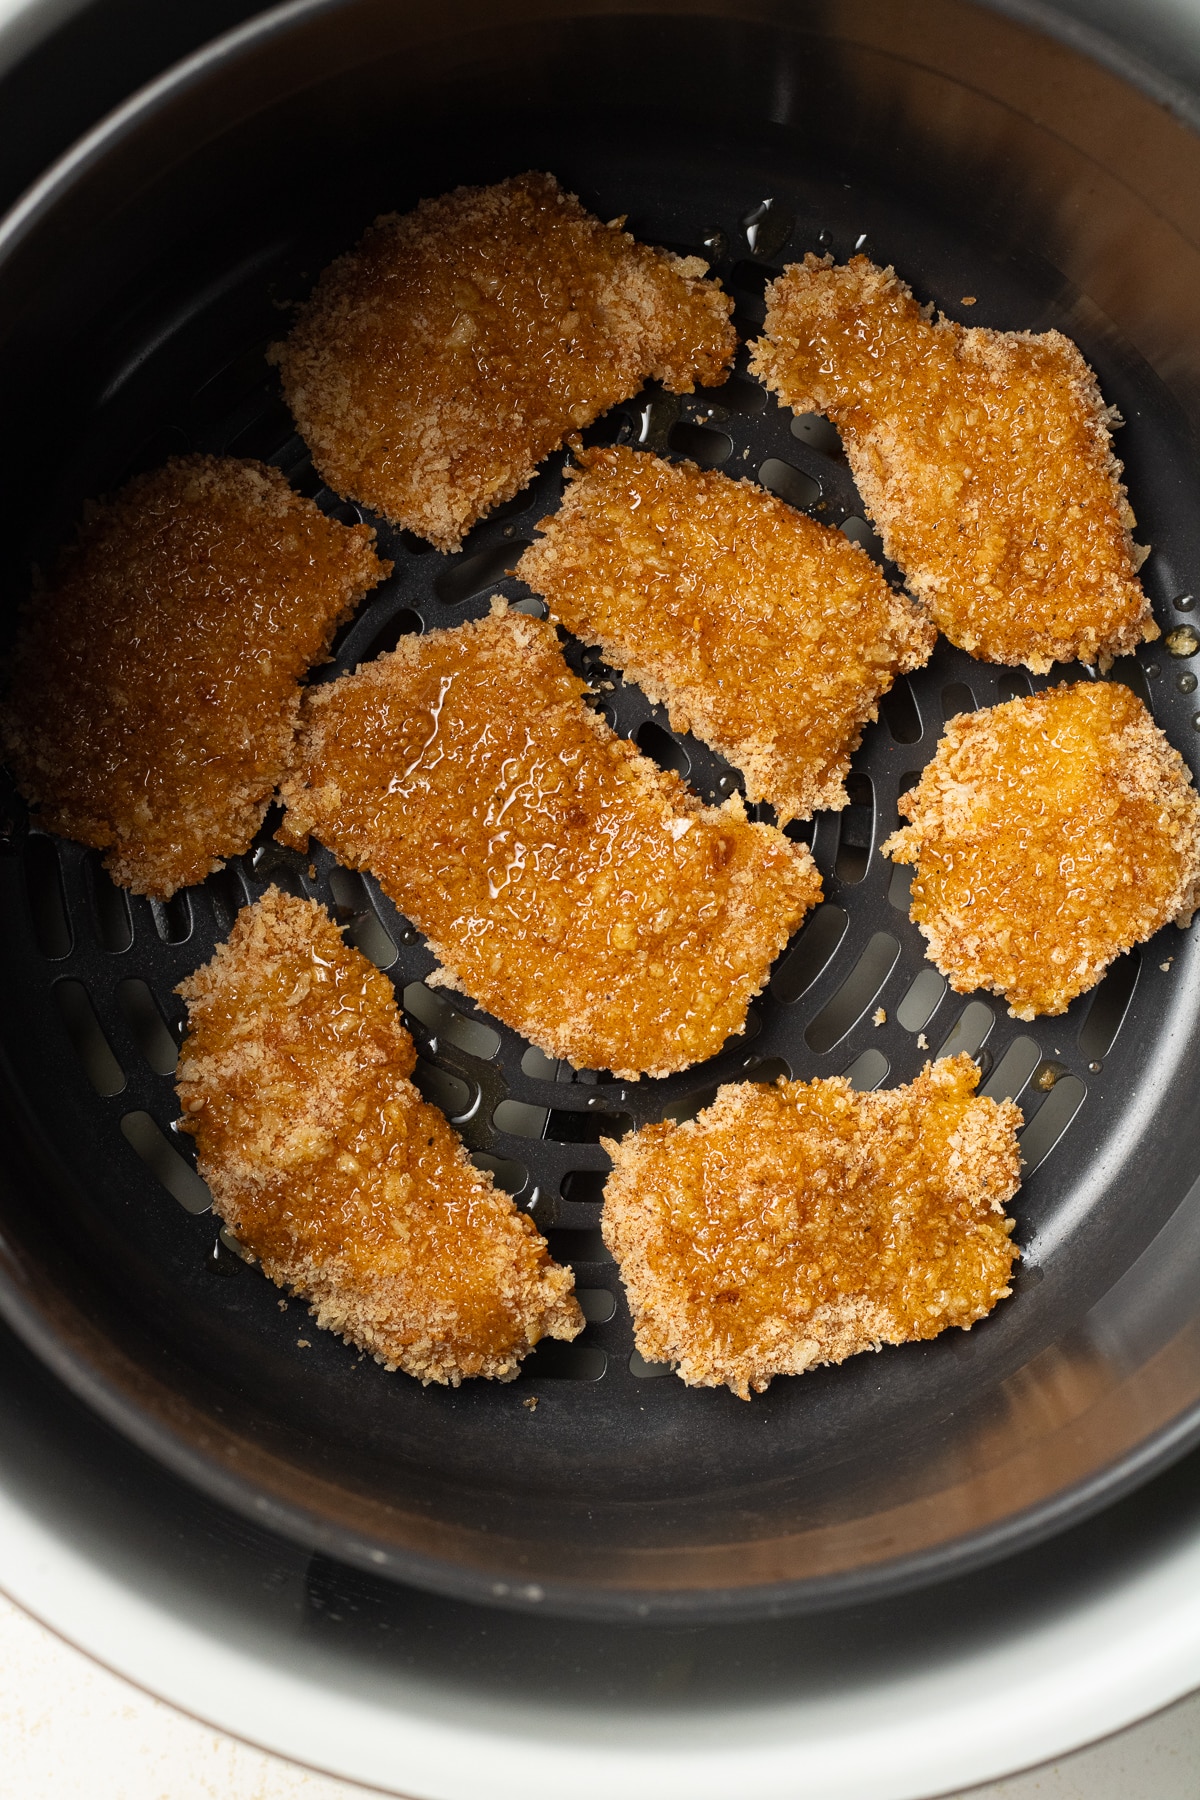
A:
x,y
587,1498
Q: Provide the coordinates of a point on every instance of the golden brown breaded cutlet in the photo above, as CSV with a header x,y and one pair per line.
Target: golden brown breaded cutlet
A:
x,y
984,458
436,364
154,689
798,1224
1047,836
767,635
326,1164
566,883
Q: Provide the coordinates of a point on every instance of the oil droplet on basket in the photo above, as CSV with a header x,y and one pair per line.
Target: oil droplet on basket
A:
x,y
235,1245
767,226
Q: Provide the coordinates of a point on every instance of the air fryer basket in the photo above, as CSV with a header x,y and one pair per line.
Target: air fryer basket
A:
x,y
138,290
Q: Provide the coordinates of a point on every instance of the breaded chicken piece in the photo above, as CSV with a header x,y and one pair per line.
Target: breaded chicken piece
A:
x,y
984,458
570,886
326,1164
1048,835
437,363
154,690
769,636
798,1224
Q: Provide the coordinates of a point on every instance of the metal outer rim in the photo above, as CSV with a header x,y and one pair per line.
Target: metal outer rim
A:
x,y
973,1551
25,24
1092,42
699,1605
1034,14
116,124
1071,1679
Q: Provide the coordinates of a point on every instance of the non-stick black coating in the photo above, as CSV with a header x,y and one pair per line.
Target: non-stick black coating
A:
x,y
135,307
364,1635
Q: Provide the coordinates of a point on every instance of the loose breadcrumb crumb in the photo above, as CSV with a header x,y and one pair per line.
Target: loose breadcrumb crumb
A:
x,y
154,689
798,1224
321,1155
879,1016
983,457
438,363
570,886
767,635
1047,836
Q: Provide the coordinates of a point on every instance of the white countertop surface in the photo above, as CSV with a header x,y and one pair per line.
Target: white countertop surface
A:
x,y
70,1730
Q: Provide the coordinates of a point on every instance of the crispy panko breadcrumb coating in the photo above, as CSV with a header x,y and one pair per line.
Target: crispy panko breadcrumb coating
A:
x,y
154,690
767,635
984,458
799,1224
436,365
1047,836
325,1162
570,886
